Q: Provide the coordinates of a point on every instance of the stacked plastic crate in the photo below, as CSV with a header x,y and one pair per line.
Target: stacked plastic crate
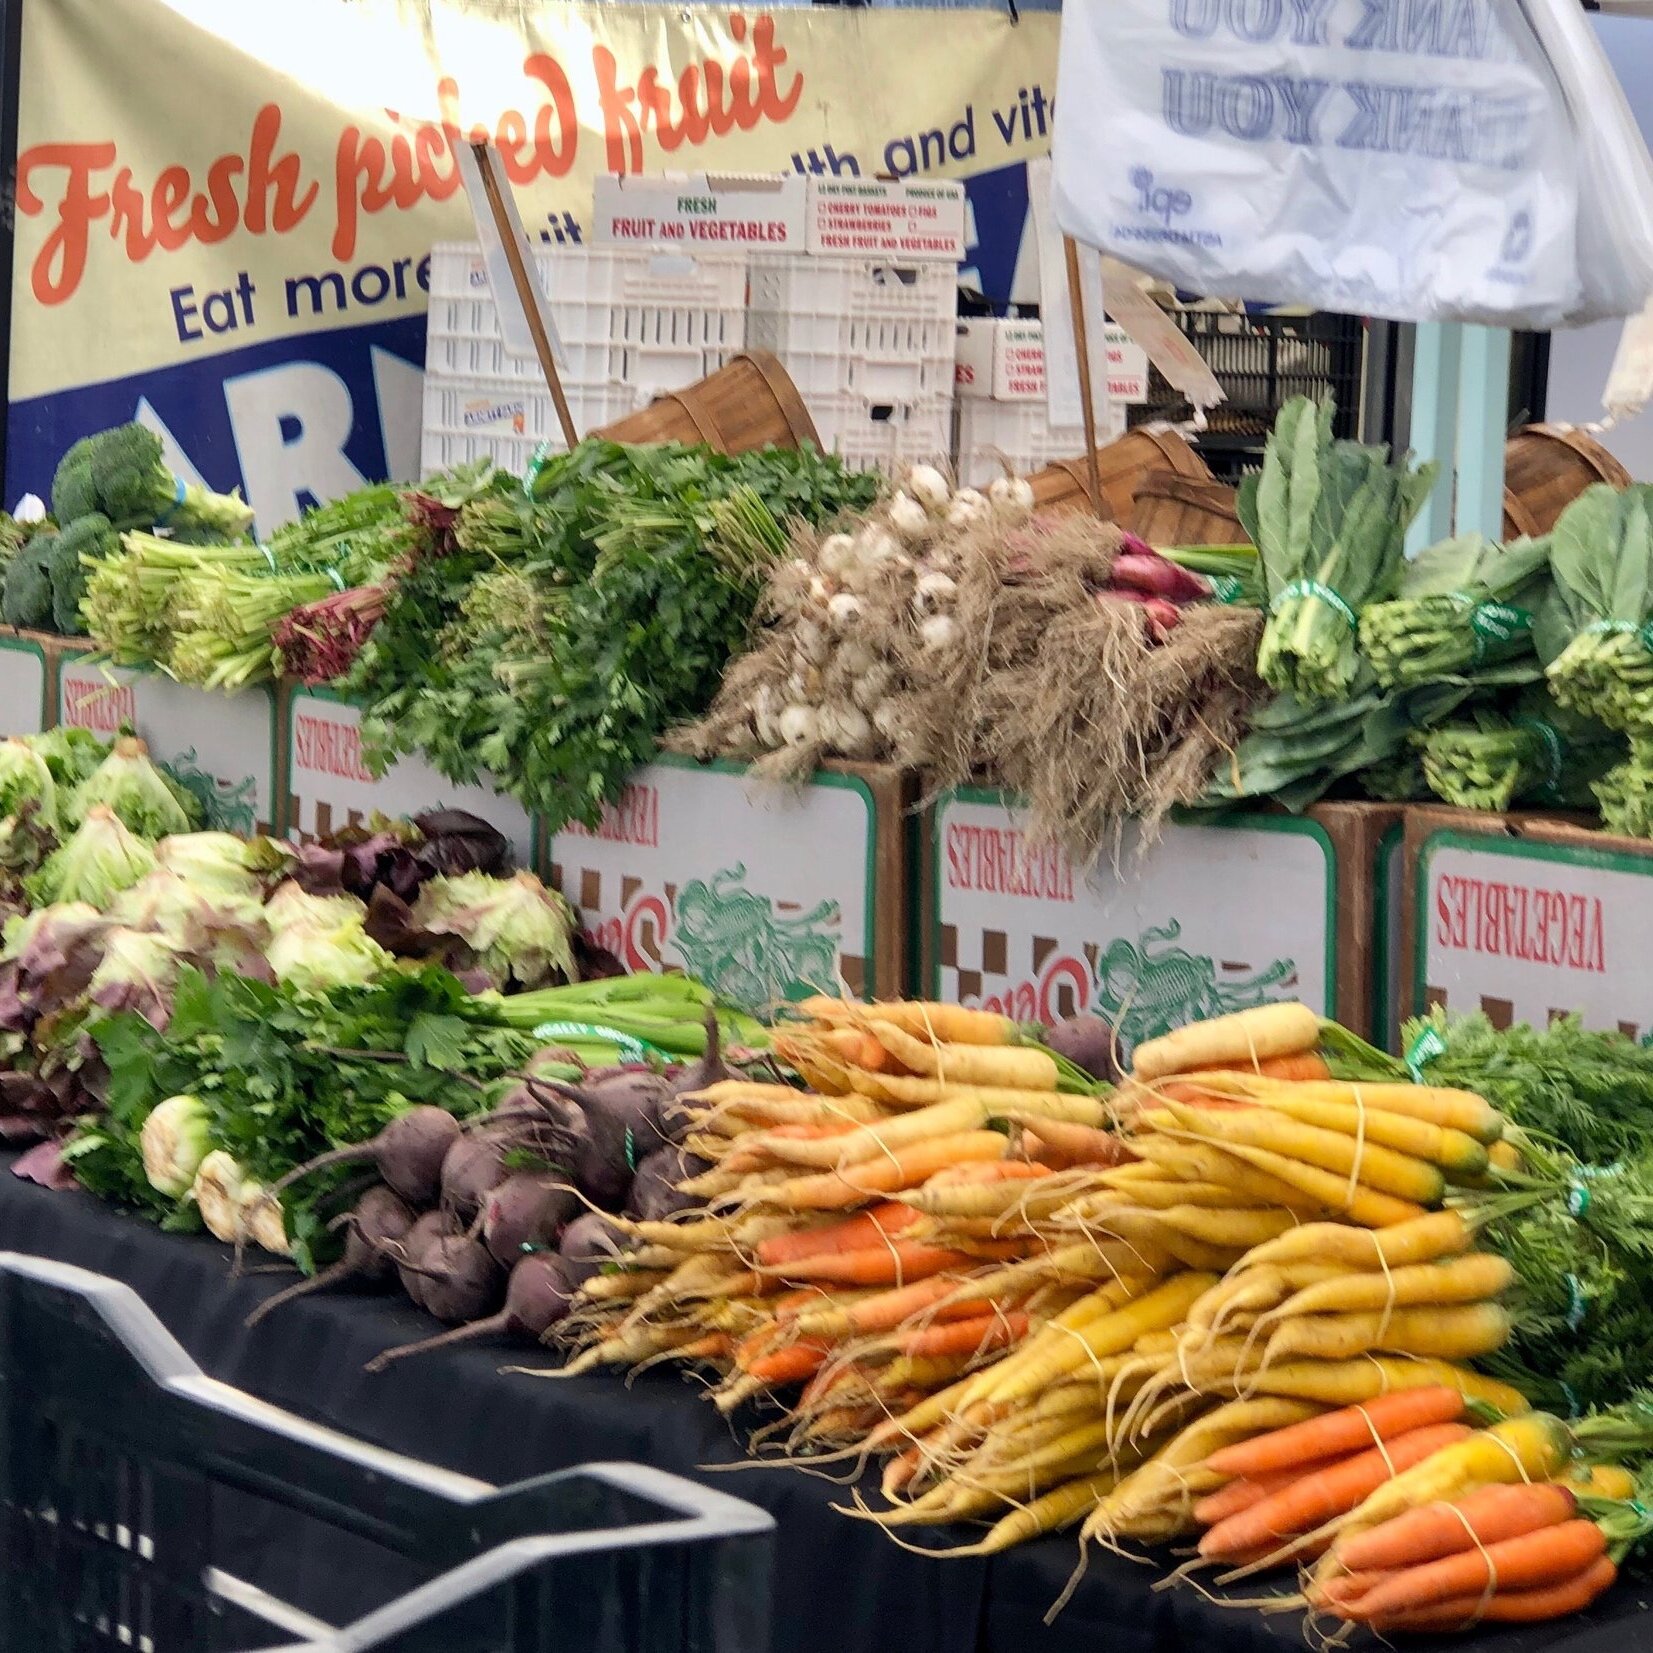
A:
x,y
634,323
863,317
1003,409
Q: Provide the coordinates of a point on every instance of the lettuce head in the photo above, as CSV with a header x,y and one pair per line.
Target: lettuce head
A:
x,y
95,865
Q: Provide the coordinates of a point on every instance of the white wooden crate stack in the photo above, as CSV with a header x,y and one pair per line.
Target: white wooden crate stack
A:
x,y
634,324
1003,413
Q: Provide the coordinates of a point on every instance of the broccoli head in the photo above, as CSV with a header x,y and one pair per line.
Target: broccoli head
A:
x,y
136,487
86,540
74,493
26,598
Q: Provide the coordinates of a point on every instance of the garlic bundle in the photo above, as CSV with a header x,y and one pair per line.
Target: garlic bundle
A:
x,y
853,618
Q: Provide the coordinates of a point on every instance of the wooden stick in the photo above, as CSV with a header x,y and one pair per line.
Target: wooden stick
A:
x,y
1082,349
526,291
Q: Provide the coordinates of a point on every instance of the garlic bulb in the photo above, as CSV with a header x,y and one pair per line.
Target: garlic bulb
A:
x,y
820,592
929,487
889,722
871,687
877,549
799,725
836,556
810,640
846,729
844,612
855,658
968,509
940,631
934,590
1011,498
908,518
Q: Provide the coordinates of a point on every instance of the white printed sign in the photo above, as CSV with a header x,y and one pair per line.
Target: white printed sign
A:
x,y
1528,931
329,787
762,894
22,687
221,748
1213,918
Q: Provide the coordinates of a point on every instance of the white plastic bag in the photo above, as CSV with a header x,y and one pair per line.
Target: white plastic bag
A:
x,y
1415,159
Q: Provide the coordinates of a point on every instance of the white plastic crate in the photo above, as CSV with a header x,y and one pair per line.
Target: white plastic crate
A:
x,y
505,420
882,331
653,321
884,436
1020,434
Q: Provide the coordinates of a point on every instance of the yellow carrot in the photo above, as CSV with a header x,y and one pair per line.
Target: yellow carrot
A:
x,y
1376,1167
1012,1067
1245,1036
1464,1279
1053,1355
1367,1207
1456,1331
1423,1238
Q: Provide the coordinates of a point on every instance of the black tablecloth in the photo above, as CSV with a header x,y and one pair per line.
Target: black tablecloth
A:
x,y
841,1586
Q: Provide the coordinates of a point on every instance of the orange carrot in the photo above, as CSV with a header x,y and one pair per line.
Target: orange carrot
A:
x,y
1350,1429
892,1263
889,1174
1552,1601
1488,1515
1302,1064
792,1364
996,1170
1081,1144
1533,1561
853,1233
1313,1499
963,1337
1246,1490
883,1311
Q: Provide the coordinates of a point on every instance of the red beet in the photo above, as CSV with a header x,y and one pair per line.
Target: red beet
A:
x,y
409,1152
537,1296
380,1219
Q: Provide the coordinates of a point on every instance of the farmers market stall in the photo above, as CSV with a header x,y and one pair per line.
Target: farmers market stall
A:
x,y
841,1587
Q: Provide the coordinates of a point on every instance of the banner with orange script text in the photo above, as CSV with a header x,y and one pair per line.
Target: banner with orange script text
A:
x,y
225,207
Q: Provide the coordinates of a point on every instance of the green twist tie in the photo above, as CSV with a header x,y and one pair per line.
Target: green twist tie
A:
x,y
1321,593
1549,737
1578,1199
1571,1398
1425,1048
1577,1302
1226,588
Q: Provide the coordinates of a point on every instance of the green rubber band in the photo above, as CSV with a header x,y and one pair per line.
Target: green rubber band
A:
x,y
1425,1048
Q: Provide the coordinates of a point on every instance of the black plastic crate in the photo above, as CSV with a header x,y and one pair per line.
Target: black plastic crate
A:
x,y
1261,362
128,1480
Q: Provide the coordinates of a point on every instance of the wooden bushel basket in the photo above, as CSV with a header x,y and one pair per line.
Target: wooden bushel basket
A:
x,y
1124,464
749,403
1177,510
1546,467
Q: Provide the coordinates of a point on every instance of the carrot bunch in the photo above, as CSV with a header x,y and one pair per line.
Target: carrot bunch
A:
x,y
1502,1554
862,1250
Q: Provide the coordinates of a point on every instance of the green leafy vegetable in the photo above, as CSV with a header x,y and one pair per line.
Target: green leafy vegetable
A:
x,y
1329,519
93,866
1463,603
147,801
1597,630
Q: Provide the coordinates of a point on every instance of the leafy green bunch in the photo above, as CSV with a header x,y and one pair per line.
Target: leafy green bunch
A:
x,y
1596,633
1532,751
1329,519
1464,603
285,1075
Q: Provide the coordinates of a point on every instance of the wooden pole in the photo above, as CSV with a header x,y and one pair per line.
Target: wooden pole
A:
x,y
1082,349
527,295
